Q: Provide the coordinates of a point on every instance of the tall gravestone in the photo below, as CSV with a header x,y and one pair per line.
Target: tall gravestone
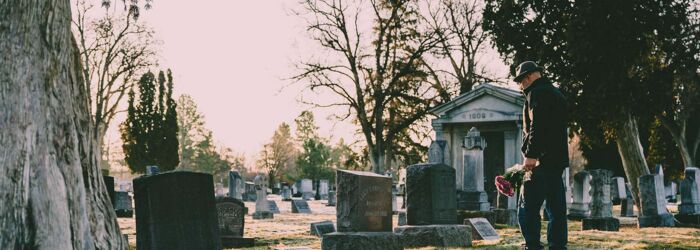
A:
x,y
363,213
286,193
323,189
567,184
250,192
653,212
438,152
472,195
109,184
689,209
236,185
231,216
431,208
601,217
262,208
331,198
176,210
617,190
671,190
307,192
579,208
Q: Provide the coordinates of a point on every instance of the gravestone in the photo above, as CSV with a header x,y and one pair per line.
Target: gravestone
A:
x,y
579,208
236,185
671,190
331,198
689,209
567,185
300,207
323,189
394,205
307,192
617,190
123,206
273,207
601,217
363,213
481,229
109,184
653,212
471,195
431,208
286,193
276,188
151,170
627,207
250,192
321,228
660,170
439,152
402,218
262,207
231,216
219,190
170,215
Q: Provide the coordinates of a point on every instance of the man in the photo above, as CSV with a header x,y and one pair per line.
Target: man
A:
x,y
545,149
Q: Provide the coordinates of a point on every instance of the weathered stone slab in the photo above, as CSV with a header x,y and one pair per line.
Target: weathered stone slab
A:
x,y
321,228
300,206
231,216
653,203
176,210
690,192
364,202
331,198
361,240
109,184
122,205
430,194
601,203
481,229
236,185
579,208
435,236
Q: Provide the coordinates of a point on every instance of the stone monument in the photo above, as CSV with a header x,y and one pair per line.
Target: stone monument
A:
x,y
109,184
471,194
286,193
689,209
617,190
262,208
306,189
231,215
323,189
653,212
579,208
331,198
627,204
176,210
431,209
236,185
601,217
122,205
567,184
363,213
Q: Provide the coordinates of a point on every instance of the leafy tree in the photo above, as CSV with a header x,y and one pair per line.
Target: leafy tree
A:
x,y
150,130
314,160
277,157
602,53
191,129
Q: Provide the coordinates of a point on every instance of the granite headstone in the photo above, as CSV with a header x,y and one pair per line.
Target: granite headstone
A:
x,y
321,228
123,206
300,206
653,203
231,216
579,208
601,217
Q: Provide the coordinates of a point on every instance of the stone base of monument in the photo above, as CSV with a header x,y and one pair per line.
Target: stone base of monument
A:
x,y
124,213
601,224
476,201
402,218
466,214
261,215
236,242
361,240
435,235
688,220
662,220
506,216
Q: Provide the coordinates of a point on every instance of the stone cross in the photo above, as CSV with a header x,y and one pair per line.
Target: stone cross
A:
x,y
653,203
470,178
262,208
581,196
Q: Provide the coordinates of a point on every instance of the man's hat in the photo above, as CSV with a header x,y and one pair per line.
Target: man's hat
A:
x,y
526,68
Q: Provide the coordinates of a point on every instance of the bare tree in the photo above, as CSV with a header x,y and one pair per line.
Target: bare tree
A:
x,y
115,50
52,195
462,40
379,76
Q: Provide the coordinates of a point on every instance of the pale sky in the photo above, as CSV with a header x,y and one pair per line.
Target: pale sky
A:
x,y
233,57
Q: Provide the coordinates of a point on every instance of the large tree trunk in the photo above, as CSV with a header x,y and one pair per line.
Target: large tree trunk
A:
x,y
631,153
677,131
52,195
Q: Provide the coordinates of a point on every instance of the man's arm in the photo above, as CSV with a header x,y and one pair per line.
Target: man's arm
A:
x,y
539,117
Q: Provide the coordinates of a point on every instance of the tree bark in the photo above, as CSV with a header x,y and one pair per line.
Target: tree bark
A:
x,y
52,195
631,153
677,131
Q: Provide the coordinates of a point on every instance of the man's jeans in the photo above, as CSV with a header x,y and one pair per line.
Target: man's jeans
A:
x,y
544,184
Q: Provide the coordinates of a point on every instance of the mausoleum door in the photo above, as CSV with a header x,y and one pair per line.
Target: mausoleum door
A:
x,y
494,162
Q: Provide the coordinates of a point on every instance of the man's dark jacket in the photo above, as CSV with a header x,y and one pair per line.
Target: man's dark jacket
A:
x,y
545,119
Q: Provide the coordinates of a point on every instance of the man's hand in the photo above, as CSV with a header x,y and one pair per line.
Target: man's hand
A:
x,y
530,163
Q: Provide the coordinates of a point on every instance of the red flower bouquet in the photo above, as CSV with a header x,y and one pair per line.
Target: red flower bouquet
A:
x,y
509,183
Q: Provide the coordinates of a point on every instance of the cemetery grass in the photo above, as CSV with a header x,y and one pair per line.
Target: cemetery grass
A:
x,y
292,230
